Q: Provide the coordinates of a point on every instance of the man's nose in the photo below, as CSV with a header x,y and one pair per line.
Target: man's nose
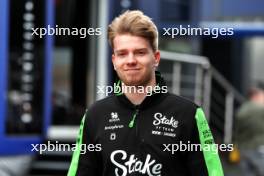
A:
x,y
131,59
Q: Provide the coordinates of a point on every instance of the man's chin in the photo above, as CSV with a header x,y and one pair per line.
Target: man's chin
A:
x,y
132,83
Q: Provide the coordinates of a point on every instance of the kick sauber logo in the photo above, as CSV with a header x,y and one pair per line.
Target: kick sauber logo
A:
x,y
134,164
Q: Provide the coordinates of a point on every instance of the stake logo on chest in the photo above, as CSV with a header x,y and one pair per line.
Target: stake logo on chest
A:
x,y
164,126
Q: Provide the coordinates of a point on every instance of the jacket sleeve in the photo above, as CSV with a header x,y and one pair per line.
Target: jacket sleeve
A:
x,y
206,161
85,162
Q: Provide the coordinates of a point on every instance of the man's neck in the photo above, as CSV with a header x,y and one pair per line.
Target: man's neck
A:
x,y
136,97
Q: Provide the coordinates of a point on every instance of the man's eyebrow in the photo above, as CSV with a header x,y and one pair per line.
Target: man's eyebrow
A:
x,y
136,50
121,50
141,49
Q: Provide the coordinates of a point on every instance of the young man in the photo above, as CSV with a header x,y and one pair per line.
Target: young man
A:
x,y
142,132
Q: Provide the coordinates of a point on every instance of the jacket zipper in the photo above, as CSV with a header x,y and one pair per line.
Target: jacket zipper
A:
x,y
133,121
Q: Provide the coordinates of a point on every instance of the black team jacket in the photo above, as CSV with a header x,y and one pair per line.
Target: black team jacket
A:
x,y
166,135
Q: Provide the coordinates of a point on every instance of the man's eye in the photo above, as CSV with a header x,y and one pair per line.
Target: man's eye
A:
x,y
141,53
121,54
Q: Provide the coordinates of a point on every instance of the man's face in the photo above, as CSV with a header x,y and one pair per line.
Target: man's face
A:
x,y
134,60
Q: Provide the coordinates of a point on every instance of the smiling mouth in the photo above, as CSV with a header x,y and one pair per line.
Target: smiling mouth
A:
x,y
133,69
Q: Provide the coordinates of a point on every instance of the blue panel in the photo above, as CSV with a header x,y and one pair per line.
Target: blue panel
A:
x,y
166,10
48,69
3,61
206,10
14,145
243,8
152,12
215,10
248,32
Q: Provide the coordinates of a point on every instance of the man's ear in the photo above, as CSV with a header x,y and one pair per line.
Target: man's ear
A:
x,y
157,58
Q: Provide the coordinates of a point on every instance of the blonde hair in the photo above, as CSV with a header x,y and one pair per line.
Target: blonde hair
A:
x,y
135,23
